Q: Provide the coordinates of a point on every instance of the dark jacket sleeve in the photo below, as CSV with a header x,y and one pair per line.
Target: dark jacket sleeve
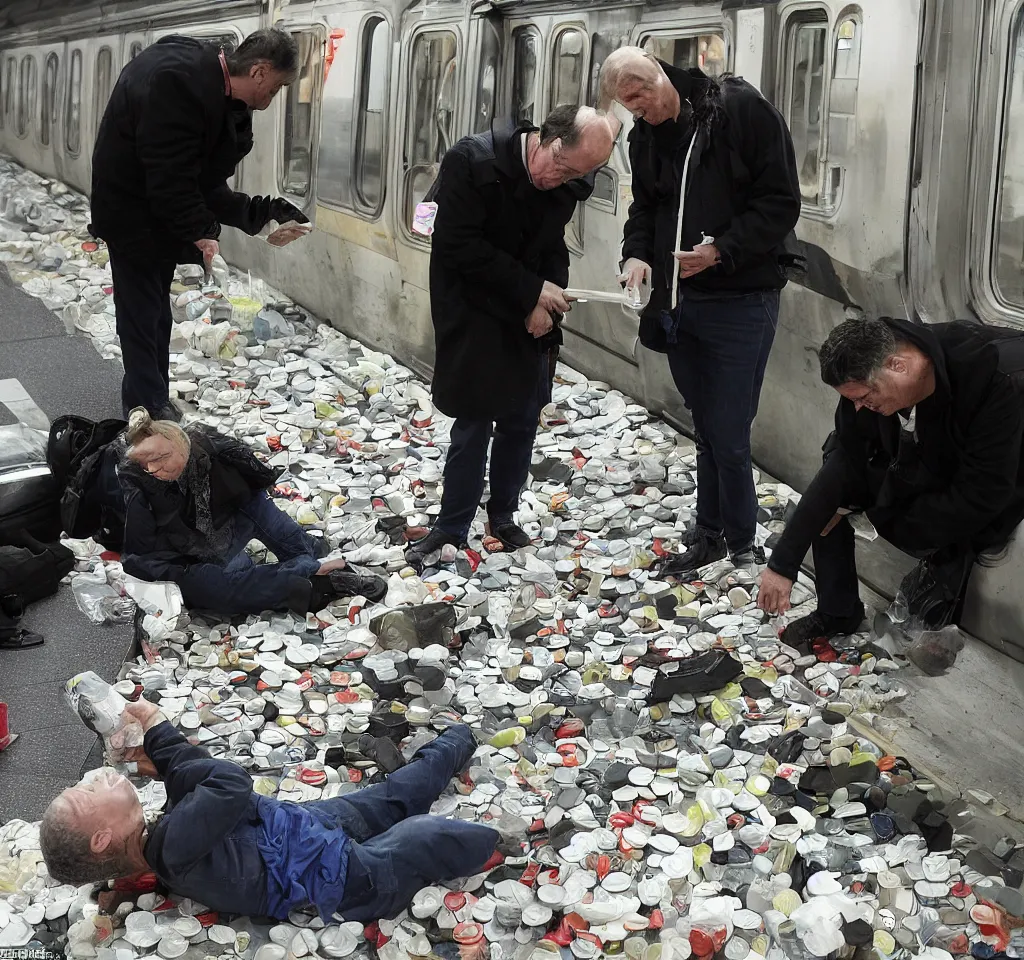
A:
x,y
773,195
143,555
169,140
206,797
460,239
239,210
638,233
985,479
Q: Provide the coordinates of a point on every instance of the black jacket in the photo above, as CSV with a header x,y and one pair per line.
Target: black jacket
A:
x,y
743,190
168,142
496,240
160,519
961,484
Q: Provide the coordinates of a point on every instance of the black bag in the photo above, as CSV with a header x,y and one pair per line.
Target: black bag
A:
x,y
701,673
29,503
83,466
29,571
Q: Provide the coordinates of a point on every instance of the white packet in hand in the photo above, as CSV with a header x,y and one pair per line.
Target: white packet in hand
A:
x,y
279,235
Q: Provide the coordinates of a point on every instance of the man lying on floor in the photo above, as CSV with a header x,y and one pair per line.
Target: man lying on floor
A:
x,y
928,444
362,855
193,500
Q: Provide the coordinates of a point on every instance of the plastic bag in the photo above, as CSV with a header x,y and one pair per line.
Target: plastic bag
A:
x,y
99,601
935,651
21,445
268,324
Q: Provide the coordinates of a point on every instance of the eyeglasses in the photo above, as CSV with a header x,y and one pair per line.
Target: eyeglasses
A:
x,y
568,172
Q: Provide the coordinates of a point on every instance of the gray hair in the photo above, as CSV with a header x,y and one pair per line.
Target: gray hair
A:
x,y
856,351
623,66
67,853
561,124
273,46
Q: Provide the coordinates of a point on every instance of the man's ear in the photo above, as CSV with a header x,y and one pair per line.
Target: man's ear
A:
x,y
896,363
100,841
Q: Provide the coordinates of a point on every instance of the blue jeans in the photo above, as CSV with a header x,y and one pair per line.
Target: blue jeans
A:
x,y
511,453
239,586
718,350
397,848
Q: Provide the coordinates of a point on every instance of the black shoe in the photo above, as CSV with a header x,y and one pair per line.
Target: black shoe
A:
x,y
706,549
819,626
512,537
752,556
344,583
169,411
422,550
382,752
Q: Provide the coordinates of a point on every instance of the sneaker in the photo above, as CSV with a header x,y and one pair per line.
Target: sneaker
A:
x,y
706,549
345,583
820,626
751,557
511,535
420,552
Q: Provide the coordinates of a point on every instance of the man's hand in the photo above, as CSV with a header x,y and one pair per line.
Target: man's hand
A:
x,y
697,260
329,566
774,592
143,765
635,273
148,714
209,249
283,210
539,322
552,300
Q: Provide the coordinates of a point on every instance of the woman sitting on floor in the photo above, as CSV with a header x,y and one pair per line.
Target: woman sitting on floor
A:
x,y
194,500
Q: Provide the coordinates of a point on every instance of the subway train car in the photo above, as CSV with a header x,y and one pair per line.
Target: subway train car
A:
x,y
907,117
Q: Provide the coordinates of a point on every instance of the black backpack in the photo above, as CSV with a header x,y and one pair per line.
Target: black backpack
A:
x,y
29,571
83,461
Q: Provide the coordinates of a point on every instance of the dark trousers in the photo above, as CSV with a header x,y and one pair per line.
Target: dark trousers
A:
x,y
240,586
142,303
398,848
511,453
718,350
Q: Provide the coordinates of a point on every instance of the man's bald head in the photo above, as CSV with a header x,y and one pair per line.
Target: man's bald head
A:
x,y
633,77
573,141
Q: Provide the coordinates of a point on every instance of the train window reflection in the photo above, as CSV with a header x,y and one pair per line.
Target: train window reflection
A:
x,y
525,50
487,79
567,68
431,117
1008,252
805,98
73,106
706,51
298,120
373,97
48,108
10,83
103,83
26,94
135,49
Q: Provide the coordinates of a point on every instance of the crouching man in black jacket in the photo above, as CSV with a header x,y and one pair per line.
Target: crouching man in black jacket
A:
x,y
928,444
712,250
178,122
498,269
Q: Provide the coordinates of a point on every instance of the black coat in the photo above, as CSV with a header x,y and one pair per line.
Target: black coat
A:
x,y
160,524
496,240
962,483
743,190
169,140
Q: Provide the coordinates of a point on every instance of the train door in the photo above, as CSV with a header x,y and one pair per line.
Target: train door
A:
x,y
51,81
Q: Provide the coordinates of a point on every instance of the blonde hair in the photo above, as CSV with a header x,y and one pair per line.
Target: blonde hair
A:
x,y
627,65
141,426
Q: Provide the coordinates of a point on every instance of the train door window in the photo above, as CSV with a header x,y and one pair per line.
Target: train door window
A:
x,y
73,106
103,83
706,51
525,54
135,49
842,104
804,101
487,78
26,94
431,117
10,83
297,158
373,98
48,106
567,68
1008,249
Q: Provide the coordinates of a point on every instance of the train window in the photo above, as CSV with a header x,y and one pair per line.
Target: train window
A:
x,y
10,82
805,97
525,51
842,94
567,68
706,51
135,49
103,83
373,98
73,106
48,107
487,79
297,159
26,94
431,116
1008,248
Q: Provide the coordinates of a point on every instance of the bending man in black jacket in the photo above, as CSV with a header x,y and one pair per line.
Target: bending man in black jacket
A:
x,y
712,253
498,268
928,444
178,122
